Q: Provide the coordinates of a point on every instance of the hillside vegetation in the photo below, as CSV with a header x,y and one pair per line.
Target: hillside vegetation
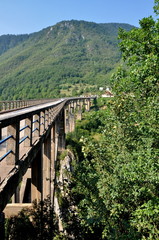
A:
x,y
10,41
116,179
48,63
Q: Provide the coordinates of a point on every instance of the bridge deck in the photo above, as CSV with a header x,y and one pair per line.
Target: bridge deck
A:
x,y
22,113
6,118
36,125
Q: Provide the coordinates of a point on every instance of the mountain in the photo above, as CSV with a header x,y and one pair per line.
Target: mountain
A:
x,y
67,58
10,41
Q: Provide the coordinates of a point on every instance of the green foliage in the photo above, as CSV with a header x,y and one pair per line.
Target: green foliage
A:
x,y
116,180
156,7
146,219
71,52
60,236
63,155
10,41
19,227
37,222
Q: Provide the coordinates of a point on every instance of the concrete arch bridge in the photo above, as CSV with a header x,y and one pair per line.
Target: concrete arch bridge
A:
x,y
32,134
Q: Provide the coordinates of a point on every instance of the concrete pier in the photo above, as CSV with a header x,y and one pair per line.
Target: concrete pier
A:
x,y
37,134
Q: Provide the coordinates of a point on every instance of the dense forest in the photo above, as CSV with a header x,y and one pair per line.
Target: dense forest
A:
x,y
115,183
69,58
115,186
10,41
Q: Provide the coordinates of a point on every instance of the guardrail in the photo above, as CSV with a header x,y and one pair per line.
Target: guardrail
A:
x,y
35,122
31,133
27,125
10,105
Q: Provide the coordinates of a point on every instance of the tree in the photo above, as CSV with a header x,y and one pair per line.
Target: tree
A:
x,y
156,7
38,222
117,182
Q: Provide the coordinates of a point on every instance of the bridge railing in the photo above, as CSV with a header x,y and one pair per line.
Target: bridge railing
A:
x,y
10,105
16,129
31,133
20,130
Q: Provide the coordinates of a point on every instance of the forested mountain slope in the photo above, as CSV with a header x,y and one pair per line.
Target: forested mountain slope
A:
x,y
10,41
116,179
70,53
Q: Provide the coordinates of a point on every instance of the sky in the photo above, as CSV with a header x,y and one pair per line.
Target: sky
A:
x,y
28,16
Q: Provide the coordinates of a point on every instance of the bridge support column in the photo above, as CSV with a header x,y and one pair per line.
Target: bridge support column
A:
x,y
72,107
79,115
61,132
36,178
13,143
54,143
75,104
67,124
28,132
87,104
79,111
2,229
42,123
46,122
36,127
16,196
72,122
70,118
46,167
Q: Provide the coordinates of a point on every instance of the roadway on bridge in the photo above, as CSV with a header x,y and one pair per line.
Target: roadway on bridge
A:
x,y
26,110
